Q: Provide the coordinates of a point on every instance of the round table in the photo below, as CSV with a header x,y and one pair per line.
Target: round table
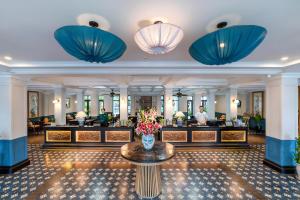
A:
x,y
148,180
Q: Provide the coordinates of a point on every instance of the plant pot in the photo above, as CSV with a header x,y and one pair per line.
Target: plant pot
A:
x,y
148,141
179,123
80,122
298,170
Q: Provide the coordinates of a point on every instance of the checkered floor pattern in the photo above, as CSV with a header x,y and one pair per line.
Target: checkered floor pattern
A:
x,y
203,174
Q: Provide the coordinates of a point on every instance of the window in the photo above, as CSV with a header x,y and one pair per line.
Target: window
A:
x,y
116,105
129,105
175,104
204,102
101,104
190,106
162,100
87,104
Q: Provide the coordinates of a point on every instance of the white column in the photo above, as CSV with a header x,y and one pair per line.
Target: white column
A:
x,y
231,107
108,103
123,103
132,105
168,104
281,120
60,106
94,103
13,118
211,106
197,99
79,100
158,104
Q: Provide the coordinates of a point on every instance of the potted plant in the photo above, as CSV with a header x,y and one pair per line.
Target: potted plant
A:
x,y
297,156
147,126
80,116
179,117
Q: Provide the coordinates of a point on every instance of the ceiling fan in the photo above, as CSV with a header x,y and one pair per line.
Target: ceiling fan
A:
x,y
111,94
180,94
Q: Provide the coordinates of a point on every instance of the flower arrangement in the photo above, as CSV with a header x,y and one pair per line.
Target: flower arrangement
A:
x,y
179,115
81,115
297,151
147,125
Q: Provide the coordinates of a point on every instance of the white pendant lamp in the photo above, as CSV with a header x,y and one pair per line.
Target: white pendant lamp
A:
x,y
158,38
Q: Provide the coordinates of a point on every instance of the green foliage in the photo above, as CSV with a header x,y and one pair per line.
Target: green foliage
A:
x,y
258,118
297,151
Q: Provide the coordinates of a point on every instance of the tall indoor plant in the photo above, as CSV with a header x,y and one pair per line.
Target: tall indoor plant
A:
x,y
147,127
297,156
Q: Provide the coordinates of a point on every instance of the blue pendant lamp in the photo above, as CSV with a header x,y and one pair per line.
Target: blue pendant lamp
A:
x,y
227,45
90,43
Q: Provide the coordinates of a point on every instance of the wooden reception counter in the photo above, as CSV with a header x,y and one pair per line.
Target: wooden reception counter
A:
x,y
96,136
93,136
205,136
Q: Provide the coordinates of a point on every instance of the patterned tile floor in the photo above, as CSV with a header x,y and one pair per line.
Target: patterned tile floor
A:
x,y
191,174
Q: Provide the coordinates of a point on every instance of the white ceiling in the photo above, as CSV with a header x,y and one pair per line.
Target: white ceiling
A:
x,y
26,27
147,85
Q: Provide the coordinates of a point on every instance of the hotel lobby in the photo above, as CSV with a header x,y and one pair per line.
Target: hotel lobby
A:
x,y
149,99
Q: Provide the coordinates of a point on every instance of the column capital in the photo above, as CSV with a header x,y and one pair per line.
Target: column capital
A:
x,y
212,91
169,86
200,92
168,90
282,79
58,86
123,86
233,87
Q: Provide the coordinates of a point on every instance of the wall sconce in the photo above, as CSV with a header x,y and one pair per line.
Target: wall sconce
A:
x,y
55,101
215,102
76,101
236,101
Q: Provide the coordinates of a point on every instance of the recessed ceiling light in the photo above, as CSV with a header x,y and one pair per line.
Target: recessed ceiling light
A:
x,y
222,44
7,58
284,58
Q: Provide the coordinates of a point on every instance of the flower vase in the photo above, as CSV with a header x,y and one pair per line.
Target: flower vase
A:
x,y
148,141
81,122
179,122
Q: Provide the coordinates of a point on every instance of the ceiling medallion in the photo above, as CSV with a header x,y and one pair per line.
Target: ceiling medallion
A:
x,y
90,43
159,38
227,45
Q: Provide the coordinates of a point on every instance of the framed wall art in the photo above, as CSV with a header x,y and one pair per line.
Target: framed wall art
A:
x,y
258,103
33,104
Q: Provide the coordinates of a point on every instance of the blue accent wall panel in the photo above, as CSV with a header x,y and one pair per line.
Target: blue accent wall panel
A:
x,y
280,152
13,151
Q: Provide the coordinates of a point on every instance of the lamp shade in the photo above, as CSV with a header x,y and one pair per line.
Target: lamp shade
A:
x,y
227,45
90,44
159,38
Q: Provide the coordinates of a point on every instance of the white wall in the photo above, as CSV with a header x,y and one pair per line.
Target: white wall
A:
x,y
72,104
183,104
244,100
221,103
48,106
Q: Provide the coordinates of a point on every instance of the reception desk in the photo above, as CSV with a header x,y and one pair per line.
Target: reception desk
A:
x,y
93,136
205,136
96,136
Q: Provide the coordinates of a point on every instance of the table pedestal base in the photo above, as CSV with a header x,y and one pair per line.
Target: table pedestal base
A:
x,y
148,181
